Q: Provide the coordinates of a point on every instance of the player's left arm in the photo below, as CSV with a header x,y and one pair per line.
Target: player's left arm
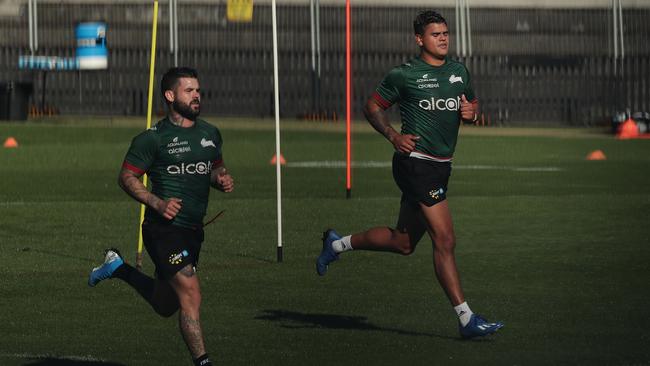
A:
x,y
468,102
468,109
221,179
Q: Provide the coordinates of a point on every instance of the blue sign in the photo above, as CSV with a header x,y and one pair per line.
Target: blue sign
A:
x,y
48,63
92,53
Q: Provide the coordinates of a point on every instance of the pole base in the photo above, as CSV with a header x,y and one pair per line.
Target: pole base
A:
x,y
138,261
348,193
279,253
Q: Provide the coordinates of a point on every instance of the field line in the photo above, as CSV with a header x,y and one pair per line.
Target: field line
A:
x,y
387,164
33,356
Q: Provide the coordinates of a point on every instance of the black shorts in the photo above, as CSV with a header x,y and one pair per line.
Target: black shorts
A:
x,y
421,180
171,247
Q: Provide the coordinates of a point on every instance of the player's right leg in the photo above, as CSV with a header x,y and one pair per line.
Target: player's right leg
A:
x,y
402,240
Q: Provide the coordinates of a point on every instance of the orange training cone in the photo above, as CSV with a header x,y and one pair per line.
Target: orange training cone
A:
x,y
274,160
596,155
628,130
10,142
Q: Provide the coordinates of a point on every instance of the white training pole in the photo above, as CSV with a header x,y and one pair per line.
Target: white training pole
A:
x,y
277,129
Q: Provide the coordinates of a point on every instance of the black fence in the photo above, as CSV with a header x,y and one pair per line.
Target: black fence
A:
x,y
528,65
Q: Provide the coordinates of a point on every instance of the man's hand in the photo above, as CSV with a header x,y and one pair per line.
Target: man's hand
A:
x,y
169,208
403,143
467,111
379,121
223,181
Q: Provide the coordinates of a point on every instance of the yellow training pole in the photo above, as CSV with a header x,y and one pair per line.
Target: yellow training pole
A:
x,y
152,67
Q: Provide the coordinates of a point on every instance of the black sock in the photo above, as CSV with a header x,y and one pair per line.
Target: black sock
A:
x,y
138,280
203,361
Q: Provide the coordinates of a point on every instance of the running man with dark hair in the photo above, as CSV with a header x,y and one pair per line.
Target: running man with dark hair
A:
x,y
434,93
182,156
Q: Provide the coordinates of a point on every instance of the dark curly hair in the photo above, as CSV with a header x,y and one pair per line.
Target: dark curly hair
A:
x,y
425,18
170,79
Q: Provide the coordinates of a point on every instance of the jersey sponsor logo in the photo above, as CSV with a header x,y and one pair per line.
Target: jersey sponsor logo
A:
x,y
206,143
202,168
433,104
178,147
454,79
426,79
429,86
431,83
175,142
179,150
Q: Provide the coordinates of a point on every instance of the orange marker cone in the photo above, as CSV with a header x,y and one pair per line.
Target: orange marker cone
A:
x,y
628,130
10,142
596,155
274,160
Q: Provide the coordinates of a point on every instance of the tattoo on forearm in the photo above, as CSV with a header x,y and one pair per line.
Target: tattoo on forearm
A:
x,y
192,334
134,187
379,121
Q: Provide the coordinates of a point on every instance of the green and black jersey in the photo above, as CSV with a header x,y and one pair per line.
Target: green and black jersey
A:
x,y
178,162
429,102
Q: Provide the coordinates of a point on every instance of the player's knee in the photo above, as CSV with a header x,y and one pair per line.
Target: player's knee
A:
x,y
445,242
403,243
190,298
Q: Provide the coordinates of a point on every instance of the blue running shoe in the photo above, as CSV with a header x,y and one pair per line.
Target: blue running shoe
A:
x,y
478,327
327,255
112,260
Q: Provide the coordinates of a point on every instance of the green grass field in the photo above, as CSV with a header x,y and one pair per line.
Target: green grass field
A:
x,y
556,247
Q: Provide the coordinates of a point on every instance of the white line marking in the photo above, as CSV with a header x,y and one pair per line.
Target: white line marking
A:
x,y
41,356
387,164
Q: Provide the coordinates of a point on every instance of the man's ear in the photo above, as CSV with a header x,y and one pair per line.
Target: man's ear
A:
x,y
169,95
418,40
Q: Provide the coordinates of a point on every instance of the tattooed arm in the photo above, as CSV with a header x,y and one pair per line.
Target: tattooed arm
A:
x,y
378,119
130,182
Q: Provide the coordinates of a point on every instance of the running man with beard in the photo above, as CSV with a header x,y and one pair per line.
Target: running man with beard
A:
x,y
434,93
182,156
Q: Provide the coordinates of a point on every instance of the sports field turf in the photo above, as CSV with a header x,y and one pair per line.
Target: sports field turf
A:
x,y
556,247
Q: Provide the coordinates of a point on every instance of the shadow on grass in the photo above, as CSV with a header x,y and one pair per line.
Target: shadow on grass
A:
x,y
297,320
53,361
259,259
59,254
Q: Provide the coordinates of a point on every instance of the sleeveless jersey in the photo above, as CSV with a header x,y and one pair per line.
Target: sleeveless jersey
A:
x,y
429,103
178,162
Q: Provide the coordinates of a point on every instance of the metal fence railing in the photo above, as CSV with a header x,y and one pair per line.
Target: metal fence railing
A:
x,y
528,65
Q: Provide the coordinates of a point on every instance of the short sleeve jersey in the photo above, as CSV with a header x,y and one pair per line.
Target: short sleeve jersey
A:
x,y
429,103
178,162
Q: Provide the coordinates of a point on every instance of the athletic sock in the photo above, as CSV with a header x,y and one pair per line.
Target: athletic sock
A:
x,y
202,361
464,313
138,280
342,245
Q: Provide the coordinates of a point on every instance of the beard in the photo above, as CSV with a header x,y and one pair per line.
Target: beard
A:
x,y
186,110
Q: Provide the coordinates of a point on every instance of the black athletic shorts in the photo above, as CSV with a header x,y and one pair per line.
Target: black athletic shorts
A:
x,y
421,180
171,247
